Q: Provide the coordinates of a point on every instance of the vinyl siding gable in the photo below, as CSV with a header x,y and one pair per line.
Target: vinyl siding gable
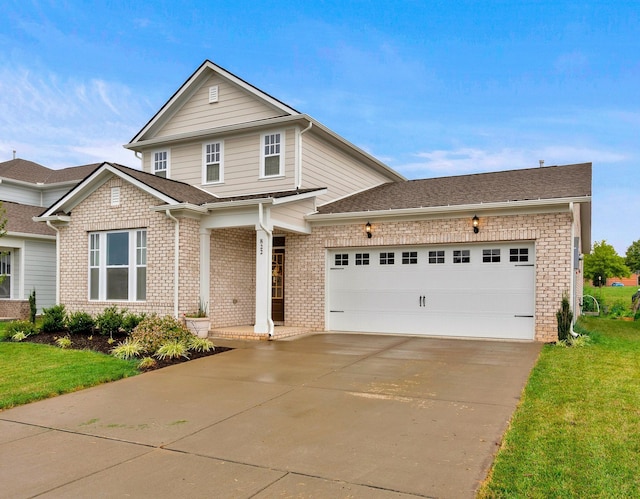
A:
x,y
40,272
234,106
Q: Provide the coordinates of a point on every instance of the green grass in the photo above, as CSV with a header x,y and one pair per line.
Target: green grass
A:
x,y
31,372
608,296
576,432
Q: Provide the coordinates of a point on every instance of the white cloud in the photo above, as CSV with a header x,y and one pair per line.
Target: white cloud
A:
x,y
465,160
59,123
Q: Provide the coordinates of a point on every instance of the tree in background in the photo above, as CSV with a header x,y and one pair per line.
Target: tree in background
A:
x,y
633,257
603,262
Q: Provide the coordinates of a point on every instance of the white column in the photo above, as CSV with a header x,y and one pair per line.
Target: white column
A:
x,y
263,281
205,266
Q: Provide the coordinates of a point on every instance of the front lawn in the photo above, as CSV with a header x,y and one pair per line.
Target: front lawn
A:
x,y
32,372
576,432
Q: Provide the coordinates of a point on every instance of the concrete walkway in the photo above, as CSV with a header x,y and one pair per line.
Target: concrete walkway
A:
x,y
327,415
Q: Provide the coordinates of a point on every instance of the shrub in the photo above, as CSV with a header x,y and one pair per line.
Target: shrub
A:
x,y
153,331
110,321
565,318
32,307
64,342
19,328
80,323
53,319
130,321
147,363
126,350
172,349
200,344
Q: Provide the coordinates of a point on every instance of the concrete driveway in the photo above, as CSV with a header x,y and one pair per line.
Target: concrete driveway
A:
x,y
327,415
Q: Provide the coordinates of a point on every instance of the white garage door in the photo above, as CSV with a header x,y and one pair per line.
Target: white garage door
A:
x,y
463,290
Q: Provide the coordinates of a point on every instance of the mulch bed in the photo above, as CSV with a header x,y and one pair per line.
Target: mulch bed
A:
x,y
99,343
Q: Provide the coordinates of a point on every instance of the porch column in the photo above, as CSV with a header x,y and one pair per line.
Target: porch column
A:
x,y
263,281
205,266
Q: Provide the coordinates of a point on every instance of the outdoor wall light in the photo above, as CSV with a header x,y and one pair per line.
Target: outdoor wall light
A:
x,y
367,229
475,220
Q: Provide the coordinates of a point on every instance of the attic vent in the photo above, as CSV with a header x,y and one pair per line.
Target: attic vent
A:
x,y
115,196
213,94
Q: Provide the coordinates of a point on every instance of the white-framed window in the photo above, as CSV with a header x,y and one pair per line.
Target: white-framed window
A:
x,y
5,273
272,155
387,258
436,257
160,163
342,259
118,265
212,161
491,256
362,258
461,256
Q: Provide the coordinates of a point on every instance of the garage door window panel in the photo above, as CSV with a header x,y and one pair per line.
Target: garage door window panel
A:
x,y
490,256
387,258
409,257
519,254
461,256
362,258
436,257
342,259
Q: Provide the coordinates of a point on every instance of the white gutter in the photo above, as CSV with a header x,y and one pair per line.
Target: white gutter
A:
x,y
270,234
403,212
176,262
53,227
299,156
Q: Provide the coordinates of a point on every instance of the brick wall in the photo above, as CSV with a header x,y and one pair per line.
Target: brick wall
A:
x,y
15,309
95,213
233,283
306,256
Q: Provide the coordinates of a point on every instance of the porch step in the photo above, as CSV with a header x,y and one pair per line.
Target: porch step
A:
x,y
246,333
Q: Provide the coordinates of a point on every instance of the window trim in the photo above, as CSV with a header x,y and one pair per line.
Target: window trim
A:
x,y
167,169
263,154
220,163
6,259
438,258
463,256
97,259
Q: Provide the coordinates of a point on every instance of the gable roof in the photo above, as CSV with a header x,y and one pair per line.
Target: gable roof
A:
x,y
192,83
34,173
20,220
549,182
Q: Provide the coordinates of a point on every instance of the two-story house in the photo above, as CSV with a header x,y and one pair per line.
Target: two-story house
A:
x,y
28,249
271,219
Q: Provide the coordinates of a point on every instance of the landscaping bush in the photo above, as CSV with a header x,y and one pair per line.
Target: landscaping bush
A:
x,y
53,319
153,331
19,329
80,323
32,307
564,317
110,321
130,321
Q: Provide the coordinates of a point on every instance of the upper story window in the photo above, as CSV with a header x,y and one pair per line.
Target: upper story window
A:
x,y
212,170
160,164
118,265
272,157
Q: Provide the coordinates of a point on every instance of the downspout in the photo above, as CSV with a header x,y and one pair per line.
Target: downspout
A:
x,y
299,157
53,227
270,234
573,272
176,262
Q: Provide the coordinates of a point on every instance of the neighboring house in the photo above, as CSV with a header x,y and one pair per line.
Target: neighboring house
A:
x,y
269,217
28,259
632,280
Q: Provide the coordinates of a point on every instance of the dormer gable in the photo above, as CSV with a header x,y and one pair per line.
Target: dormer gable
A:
x,y
211,98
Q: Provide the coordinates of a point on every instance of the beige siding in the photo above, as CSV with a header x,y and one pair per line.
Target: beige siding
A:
x,y
551,232
241,165
341,173
291,214
234,106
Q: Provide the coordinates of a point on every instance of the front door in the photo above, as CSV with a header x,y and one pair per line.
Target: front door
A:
x,y
277,285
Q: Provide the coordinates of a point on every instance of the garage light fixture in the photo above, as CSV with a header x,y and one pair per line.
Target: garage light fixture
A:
x,y
475,221
367,229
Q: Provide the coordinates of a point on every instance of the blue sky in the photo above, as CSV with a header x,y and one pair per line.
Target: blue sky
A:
x,y
432,88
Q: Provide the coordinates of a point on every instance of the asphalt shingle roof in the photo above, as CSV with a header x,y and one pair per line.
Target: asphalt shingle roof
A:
x,y
19,219
28,171
551,182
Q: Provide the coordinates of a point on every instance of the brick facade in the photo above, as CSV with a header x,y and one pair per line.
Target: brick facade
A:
x,y
232,258
306,256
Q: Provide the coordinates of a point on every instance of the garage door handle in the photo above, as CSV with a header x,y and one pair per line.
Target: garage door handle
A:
x,y
530,316
422,301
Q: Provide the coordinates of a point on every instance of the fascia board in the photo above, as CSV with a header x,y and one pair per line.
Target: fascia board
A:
x,y
52,218
191,85
237,204
211,132
458,210
298,197
27,235
189,207
95,180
